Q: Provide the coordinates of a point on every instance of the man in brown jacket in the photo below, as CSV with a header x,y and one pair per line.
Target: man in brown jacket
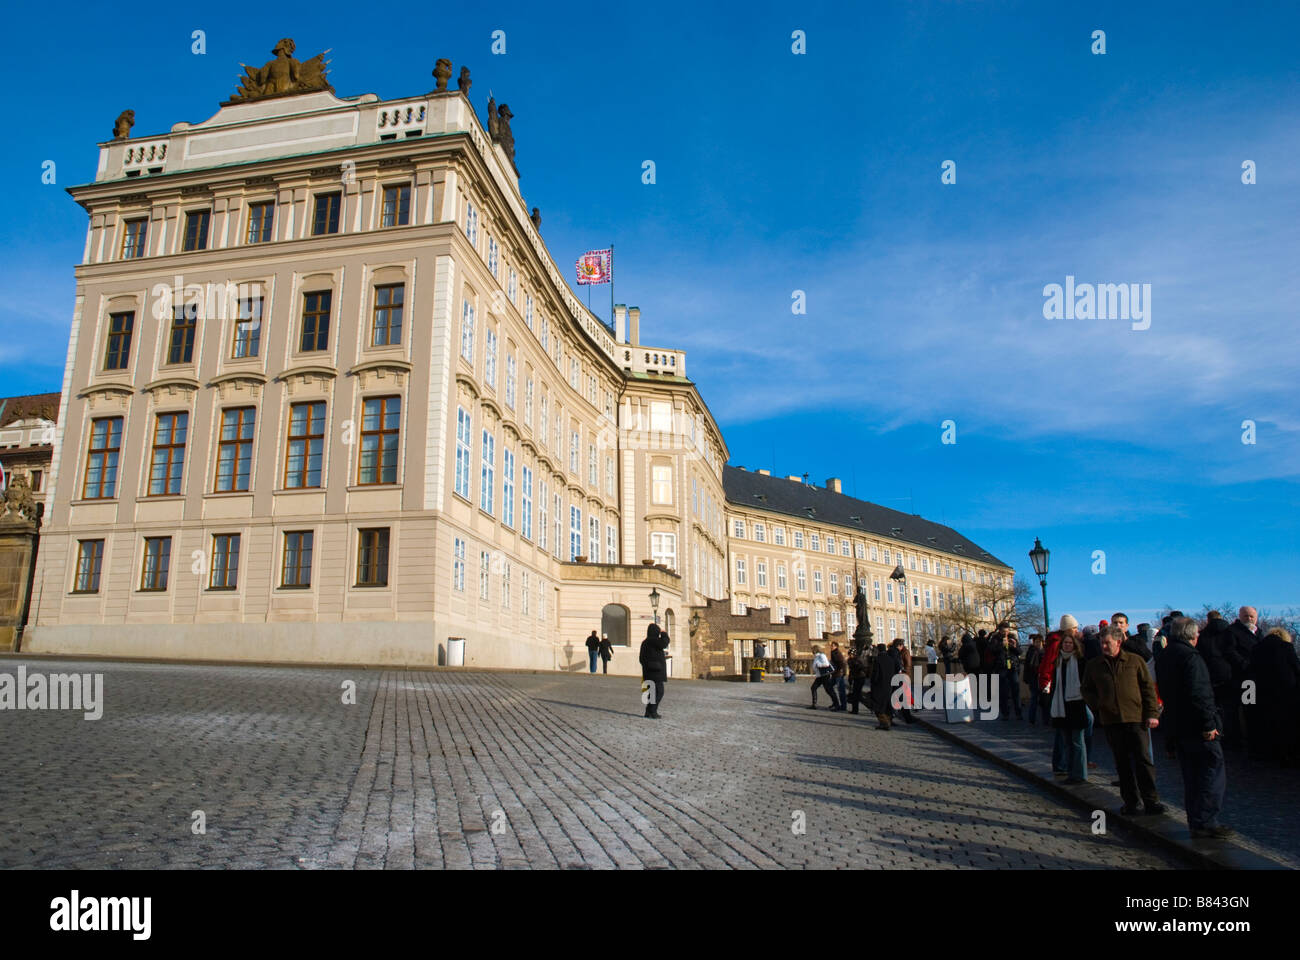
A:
x,y
1119,689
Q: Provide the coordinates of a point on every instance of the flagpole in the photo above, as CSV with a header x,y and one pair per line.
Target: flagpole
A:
x,y
611,285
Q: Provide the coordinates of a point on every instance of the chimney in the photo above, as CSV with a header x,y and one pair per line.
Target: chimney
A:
x,y
620,323
833,484
795,477
766,473
634,325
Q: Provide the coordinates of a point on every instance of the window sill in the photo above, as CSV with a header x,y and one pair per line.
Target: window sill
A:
x,y
221,589
298,490
227,494
360,487
294,587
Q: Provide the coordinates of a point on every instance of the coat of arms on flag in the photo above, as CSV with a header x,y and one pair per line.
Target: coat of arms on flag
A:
x,y
595,266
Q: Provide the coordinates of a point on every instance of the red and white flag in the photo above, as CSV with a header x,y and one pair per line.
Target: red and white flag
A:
x,y
596,266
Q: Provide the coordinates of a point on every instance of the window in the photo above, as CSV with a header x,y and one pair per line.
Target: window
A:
x,y
801,580
196,230
546,336
798,539
739,529
118,348
528,310
817,541
101,459
528,403
168,461
916,596
889,593
778,536
326,218
505,584
575,446
248,328
493,256
512,286
821,622
662,487
835,583
490,357
184,320
295,570
609,474
541,428
133,236
541,514
760,571
260,219
387,330
848,584
484,572
467,331
874,555
225,562
302,465
817,581
740,571
611,544
760,533
458,564
463,433
860,551
780,576
235,449
661,416
928,598
835,620
575,533
593,538
523,594
381,421
912,561
830,544
372,557
36,478
558,517
510,380
397,206
925,564
541,599
526,502
471,223
157,559
663,549
781,613
487,485
316,320
508,487
844,548
90,558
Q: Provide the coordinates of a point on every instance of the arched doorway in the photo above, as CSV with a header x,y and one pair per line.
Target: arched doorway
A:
x,y
614,623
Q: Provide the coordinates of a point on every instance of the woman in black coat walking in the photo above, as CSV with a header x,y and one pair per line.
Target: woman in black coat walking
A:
x,y
883,669
654,667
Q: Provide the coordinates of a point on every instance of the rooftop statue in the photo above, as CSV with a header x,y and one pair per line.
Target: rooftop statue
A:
x,y
123,124
283,76
442,73
464,82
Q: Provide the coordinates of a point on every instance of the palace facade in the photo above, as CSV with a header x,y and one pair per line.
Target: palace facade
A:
x,y
328,398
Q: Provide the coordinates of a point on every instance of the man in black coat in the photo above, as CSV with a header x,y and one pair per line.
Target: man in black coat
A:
x,y
606,652
1225,664
654,667
969,655
1244,637
1275,714
883,668
1191,726
593,650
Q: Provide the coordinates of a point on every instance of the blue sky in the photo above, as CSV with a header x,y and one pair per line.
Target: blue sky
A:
x,y
821,173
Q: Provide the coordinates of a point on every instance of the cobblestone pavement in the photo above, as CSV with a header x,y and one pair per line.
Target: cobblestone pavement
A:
x,y
1259,805
487,770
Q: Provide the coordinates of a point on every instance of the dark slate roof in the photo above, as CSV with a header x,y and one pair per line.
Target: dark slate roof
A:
x,y
792,498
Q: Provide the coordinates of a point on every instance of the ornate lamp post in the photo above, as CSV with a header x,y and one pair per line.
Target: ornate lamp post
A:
x,y
1038,557
654,604
900,576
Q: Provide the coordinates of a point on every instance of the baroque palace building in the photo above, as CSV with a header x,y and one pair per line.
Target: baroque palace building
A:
x,y
329,398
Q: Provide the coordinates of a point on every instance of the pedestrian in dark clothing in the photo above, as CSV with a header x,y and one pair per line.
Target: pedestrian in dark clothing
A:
x,y
1033,660
1218,650
1191,724
946,653
857,679
839,668
969,655
1091,643
606,652
882,675
1009,677
1119,689
654,667
1275,715
1245,636
593,650
982,641
902,658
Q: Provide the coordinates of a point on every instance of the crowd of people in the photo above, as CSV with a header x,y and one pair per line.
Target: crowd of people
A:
x,y
1201,686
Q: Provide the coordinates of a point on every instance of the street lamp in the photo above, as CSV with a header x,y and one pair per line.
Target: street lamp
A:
x,y
1038,557
654,604
899,575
